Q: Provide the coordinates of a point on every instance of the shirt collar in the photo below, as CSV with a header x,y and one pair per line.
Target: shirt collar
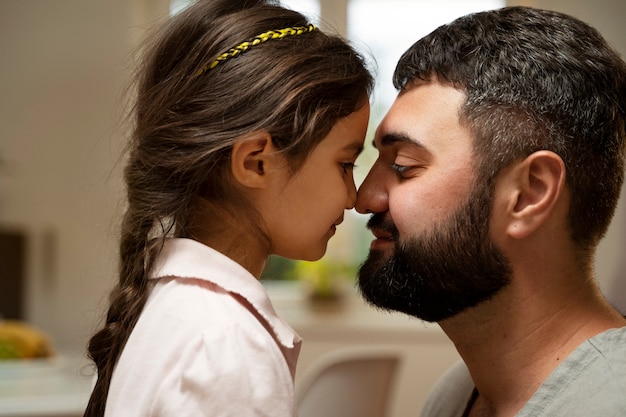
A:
x,y
187,258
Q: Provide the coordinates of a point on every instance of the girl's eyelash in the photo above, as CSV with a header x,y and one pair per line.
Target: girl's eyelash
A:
x,y
347,166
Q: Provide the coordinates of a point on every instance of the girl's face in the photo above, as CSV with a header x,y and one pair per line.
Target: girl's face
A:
x,y
306,207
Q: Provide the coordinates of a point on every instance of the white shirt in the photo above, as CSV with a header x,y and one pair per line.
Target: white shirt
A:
x,y
208,343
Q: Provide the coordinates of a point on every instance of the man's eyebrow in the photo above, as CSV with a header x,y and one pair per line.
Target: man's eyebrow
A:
x,y
392,138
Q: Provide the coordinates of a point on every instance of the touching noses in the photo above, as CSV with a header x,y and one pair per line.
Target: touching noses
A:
x,y
350,203
372,195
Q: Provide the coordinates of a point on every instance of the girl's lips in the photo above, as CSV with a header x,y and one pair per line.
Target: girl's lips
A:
x,y
336,224
333,228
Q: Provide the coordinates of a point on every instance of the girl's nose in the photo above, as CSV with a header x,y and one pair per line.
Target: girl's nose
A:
x,y
352,195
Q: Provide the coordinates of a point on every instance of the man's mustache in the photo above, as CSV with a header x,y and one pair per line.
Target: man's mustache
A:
x,y
382,221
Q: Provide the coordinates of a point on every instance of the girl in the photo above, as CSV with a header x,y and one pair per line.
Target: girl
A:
x,y
248,121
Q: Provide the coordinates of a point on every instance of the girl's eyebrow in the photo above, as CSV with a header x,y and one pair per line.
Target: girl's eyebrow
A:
x,y
355,147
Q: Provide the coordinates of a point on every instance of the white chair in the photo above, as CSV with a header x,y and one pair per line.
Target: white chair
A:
x,y
348,383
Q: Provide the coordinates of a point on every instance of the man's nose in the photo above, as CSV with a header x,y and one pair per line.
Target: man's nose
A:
x,y
372,196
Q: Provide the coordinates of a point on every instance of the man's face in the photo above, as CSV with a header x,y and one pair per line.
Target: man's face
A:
x,y
432,257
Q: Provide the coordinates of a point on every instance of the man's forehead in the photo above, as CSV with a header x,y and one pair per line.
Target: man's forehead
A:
x,y
425,116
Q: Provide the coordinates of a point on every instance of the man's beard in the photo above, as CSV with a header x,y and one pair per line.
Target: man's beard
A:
x,y
441,273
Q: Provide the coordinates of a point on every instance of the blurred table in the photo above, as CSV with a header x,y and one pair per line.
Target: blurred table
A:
x,y
56,387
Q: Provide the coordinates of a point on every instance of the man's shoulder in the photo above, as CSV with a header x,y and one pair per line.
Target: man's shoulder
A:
x,y
601,357
591,381
612,340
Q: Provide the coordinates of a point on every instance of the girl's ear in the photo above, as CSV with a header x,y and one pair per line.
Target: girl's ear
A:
x,y
252,157
533,190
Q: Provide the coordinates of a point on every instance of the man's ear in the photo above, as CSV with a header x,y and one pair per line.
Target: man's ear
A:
x,y
536,186
251,158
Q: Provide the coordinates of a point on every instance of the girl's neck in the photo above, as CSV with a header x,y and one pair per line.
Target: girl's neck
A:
x,y
237,237
242,249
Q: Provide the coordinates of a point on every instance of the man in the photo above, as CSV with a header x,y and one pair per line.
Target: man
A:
x,y
499,169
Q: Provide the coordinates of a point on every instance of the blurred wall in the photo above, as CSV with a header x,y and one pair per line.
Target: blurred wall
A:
x,y
65,64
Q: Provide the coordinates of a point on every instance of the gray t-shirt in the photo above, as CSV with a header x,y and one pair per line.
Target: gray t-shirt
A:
x,y
591,382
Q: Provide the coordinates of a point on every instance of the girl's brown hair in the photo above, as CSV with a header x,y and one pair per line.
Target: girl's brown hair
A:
x,y
185,124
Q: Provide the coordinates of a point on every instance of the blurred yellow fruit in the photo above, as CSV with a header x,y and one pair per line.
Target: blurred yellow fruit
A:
x,y
19,340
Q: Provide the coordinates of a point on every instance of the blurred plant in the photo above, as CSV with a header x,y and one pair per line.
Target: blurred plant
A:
x,y
279,269
326,278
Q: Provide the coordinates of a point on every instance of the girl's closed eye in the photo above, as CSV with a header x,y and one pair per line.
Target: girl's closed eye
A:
x,y
347,166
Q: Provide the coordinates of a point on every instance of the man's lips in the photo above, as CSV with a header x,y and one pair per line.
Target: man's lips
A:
x,y
381,234
383,238
383,229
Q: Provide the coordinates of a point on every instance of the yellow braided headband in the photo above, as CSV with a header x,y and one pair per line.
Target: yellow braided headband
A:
x,y
263,37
